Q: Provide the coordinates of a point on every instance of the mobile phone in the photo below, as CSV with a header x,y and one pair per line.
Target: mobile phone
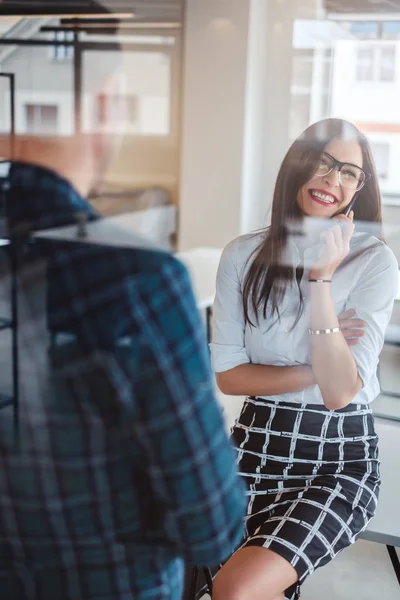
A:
x,y
350,206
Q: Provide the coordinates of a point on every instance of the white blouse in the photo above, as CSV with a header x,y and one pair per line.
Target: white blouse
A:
x,y
366,283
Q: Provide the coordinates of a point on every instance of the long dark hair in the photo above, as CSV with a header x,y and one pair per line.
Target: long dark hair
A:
x,y
267,278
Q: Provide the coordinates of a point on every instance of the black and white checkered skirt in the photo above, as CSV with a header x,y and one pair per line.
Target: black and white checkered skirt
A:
x,y
312,477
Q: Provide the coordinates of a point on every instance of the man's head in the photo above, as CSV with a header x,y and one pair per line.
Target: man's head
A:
x,y
84,156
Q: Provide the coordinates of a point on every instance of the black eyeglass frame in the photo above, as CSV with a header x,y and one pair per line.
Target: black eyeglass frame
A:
x,y
337,164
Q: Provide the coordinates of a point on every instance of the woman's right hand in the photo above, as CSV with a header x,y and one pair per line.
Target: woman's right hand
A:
x,y
336,242
353,329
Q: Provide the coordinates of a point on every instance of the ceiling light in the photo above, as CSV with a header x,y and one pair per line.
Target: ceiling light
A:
x,y
100,16
83,16
124,26
155,25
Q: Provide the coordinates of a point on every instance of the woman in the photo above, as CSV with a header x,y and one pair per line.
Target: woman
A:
x,y
305,438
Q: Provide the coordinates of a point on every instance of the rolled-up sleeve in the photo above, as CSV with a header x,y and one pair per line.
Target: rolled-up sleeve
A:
x,y
228,341
372,299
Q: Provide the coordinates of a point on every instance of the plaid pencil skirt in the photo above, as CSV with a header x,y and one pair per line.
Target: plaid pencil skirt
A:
x,y
312,478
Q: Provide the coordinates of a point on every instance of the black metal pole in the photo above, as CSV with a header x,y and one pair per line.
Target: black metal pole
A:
x,y
14,281
193,583
208,323
15,353
78,83
14,272
209,579
12,114
12,103
11,79
395,561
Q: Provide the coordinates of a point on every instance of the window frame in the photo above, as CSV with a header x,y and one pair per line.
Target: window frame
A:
x,y
377,50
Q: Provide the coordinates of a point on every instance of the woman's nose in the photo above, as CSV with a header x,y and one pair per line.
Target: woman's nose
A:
x,y
332,178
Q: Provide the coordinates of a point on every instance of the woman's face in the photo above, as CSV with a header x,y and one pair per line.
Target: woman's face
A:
x,y
323,196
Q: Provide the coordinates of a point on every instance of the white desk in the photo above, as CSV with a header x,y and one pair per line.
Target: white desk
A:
x,y
385,526
202,264
147,229
150,228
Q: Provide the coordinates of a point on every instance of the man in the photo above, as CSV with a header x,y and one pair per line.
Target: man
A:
x,y
123,469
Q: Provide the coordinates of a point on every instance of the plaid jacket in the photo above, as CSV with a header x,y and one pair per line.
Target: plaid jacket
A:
x,y
123,470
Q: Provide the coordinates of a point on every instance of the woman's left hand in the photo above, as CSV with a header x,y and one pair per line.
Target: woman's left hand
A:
x,y
337,247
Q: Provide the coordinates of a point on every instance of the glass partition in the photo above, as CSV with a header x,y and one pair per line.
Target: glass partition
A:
x,y
337,63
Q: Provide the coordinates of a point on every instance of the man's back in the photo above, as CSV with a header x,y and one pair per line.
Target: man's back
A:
x,y
123,467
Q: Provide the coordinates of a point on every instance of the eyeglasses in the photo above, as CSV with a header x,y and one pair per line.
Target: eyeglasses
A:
x,y
350,176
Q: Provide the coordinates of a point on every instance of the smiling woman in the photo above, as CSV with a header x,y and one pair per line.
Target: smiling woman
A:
x,y
338,176
306,443
298,181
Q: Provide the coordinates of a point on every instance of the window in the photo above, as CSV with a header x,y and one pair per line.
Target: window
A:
x,y
381,153
302,71
391,30
41,119
148,97
109,110
365,64
62,52
388,62
376,63
364,30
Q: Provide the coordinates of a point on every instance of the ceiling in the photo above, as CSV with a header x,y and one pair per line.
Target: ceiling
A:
x,y
362,6
159,9
166,9
145,9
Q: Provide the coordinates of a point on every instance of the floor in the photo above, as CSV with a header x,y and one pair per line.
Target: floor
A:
x,y
364,571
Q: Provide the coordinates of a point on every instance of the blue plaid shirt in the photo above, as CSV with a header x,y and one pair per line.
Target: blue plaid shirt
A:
x,y
123,470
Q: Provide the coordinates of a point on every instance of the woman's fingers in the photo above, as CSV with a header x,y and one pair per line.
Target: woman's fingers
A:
x,y
347,314
345,219
347,234
338,237
352,341
335,243
353,329
349,333
347,227
352,324
330,245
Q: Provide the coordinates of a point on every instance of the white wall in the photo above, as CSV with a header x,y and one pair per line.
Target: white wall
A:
x,y
391,185
237,113
254,205
277,108
369,102
363,101
215,51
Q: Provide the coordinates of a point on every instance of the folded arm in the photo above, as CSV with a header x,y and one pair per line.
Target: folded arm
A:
x,y
260,380
341,373
235,374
